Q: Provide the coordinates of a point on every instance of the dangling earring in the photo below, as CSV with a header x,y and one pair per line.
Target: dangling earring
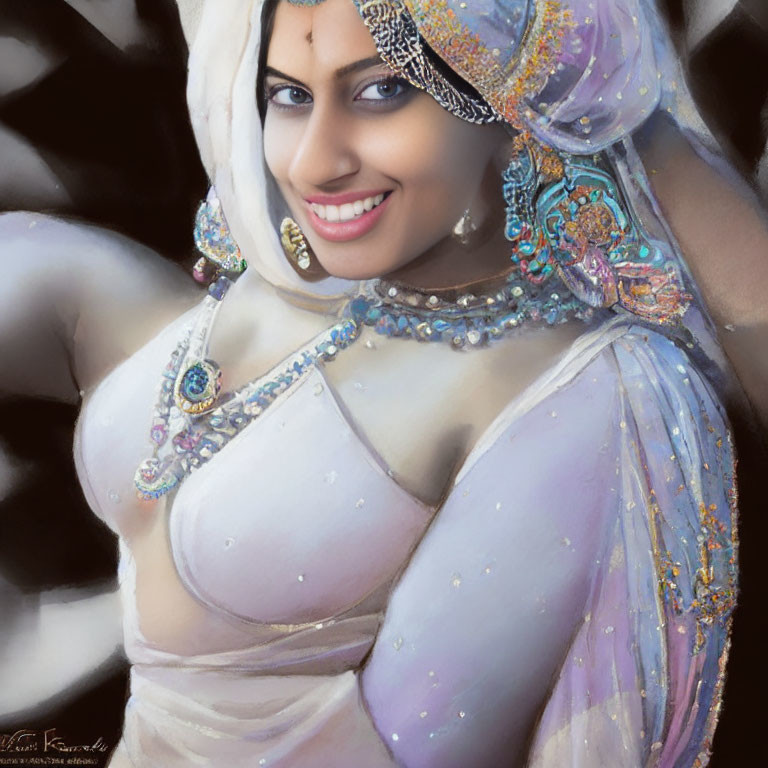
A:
x,y
214,241
298,251
464,227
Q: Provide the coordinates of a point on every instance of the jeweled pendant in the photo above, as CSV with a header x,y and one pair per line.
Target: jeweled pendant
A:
x,y
197,388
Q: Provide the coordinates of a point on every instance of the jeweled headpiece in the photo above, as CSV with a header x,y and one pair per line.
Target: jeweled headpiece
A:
x,y
579,75
502,49
505,49
579,71
565,217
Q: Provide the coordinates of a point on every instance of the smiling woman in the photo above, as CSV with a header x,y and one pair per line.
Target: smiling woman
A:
x,y
443,478
340,128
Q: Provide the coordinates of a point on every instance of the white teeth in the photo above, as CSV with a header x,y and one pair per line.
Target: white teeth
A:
x,y
348,211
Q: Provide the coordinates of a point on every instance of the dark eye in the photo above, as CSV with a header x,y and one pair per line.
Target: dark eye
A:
x,y
289,96
383,90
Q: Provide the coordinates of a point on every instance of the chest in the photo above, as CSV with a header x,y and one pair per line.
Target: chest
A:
x,y
317,500
296,519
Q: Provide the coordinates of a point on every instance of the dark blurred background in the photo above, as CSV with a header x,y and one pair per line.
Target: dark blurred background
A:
x,y
93,125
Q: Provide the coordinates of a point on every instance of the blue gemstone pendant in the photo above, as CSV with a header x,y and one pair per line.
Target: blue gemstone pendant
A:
x,y
197,388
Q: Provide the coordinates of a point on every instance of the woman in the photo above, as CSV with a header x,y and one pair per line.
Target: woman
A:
x,y
593,472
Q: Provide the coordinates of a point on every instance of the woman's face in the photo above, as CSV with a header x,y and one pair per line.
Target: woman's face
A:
x,y
375,172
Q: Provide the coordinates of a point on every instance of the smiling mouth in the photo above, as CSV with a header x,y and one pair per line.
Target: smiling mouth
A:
x,y
348,211
342,223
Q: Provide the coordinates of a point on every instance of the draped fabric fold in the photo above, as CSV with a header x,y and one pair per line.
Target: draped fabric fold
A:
x,y
653,683
646,469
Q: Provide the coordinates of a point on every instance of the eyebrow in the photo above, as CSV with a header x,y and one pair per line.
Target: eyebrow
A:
x,y
347,69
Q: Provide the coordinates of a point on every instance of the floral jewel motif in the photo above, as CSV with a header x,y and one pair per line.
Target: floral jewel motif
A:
x,y
520,183
567,216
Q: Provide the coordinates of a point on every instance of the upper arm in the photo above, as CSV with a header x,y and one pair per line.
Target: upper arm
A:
x,y
563,585
482,616
723,232
75,301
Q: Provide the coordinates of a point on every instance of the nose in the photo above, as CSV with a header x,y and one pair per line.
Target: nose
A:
x,y
325,156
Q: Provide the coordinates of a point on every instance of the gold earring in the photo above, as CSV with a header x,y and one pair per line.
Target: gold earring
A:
x,y
464,228
298,251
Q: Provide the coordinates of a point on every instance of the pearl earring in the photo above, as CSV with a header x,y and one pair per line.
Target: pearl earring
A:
x,y
464,227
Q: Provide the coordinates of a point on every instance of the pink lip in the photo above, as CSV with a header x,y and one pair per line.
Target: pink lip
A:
x,y
341,231
347,197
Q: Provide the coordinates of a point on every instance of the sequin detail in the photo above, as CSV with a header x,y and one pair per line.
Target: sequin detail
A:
x,y
397,40
214,241
567,215
506,52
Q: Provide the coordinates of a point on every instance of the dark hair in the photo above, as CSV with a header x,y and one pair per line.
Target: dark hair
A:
x,y
268,24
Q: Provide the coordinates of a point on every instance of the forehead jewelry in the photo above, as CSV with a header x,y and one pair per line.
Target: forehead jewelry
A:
x,y
398,41
408,34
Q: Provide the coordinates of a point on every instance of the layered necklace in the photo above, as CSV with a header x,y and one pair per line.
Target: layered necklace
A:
x,y
193,420
566,219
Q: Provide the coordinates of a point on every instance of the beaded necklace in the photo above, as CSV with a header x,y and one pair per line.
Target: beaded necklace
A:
x,y
468,320
191,424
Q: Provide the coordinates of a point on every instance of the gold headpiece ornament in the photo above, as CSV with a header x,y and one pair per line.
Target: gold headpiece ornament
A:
x,y
505,50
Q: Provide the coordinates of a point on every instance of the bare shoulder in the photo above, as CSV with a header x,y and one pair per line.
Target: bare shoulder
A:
x,y
82,294
717,219
722,229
